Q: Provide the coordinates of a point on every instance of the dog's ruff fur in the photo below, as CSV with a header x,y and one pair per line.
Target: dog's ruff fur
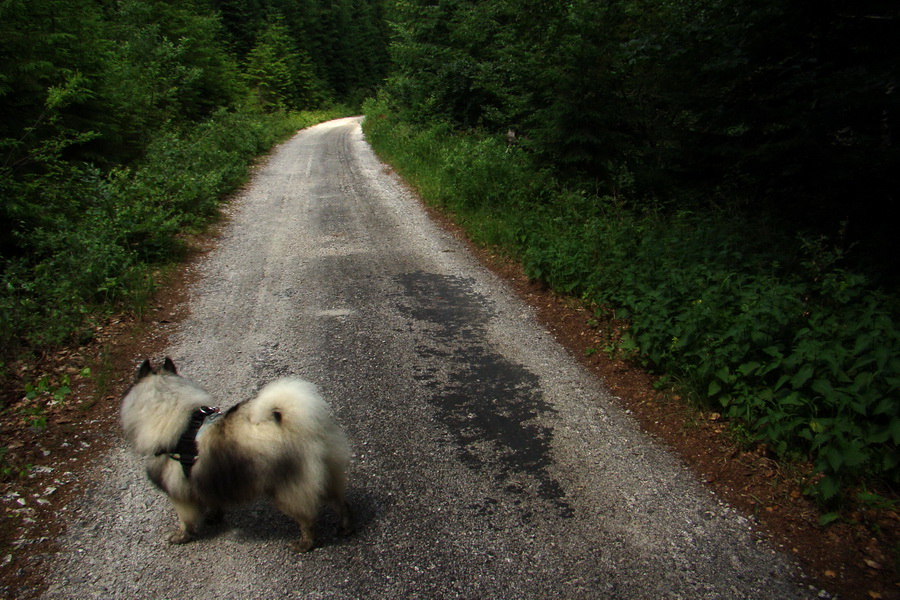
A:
x,y
282,445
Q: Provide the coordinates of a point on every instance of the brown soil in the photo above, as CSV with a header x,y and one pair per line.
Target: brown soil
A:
x,y
854,558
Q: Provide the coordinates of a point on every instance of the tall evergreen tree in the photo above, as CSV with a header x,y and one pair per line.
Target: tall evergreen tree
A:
x,y
281,75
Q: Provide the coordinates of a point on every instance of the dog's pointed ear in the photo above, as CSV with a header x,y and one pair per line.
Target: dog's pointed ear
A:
x,y
169,366
145,369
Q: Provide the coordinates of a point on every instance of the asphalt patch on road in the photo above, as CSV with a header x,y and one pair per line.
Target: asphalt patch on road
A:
x,y
492,407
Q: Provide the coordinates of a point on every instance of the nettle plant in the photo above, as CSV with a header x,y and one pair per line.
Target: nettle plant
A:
x,y
812,367
806,361
838,388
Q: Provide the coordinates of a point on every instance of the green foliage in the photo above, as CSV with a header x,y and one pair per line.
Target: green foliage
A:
x,y
165,64
344,41
131,221
9,471
800,353
762,106
807,360
44,387
280,74
124,124
479,177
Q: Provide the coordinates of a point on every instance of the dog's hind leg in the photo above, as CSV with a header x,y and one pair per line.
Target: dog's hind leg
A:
x,y
335,495
304,517
345,514
338,503
307,535
190,515
307,531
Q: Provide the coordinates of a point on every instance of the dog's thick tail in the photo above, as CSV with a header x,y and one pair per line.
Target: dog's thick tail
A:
x,y
293,404
292,412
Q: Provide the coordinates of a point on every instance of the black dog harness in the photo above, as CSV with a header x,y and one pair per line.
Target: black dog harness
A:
x,y
185,450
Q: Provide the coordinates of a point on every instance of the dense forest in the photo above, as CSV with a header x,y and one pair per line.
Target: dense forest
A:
x,y
720,174
788,108
125,121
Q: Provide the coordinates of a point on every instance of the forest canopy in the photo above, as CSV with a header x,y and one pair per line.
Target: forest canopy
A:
x,y
788,108
101,77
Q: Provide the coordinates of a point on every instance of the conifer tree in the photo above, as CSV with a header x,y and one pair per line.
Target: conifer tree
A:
x,y
281,75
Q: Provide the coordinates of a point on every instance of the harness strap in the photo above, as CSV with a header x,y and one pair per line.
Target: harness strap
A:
x,y
185,450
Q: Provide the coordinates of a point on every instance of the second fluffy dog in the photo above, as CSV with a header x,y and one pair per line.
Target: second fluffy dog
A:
x,y
282,444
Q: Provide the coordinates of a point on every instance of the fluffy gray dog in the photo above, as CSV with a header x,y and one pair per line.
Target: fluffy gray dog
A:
x,y
282,445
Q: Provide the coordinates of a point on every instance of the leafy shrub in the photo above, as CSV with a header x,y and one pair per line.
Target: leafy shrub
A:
x,y
100,235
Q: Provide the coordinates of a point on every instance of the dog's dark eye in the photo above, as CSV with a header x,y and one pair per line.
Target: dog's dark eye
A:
x,y
277,415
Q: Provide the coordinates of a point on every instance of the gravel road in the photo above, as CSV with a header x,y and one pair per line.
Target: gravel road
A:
x,y
486,462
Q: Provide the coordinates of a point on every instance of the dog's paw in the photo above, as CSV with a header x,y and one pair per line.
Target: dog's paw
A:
x,y
345,529
180,536
347,525
302,545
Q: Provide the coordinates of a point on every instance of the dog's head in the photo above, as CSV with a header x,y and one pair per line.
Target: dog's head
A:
x,y
158,406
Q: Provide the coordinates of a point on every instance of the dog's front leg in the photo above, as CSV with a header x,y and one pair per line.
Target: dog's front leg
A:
x,y
307,531
189,515
307,537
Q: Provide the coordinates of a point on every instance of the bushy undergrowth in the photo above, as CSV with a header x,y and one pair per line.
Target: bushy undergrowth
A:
x,y
99,236
775,335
